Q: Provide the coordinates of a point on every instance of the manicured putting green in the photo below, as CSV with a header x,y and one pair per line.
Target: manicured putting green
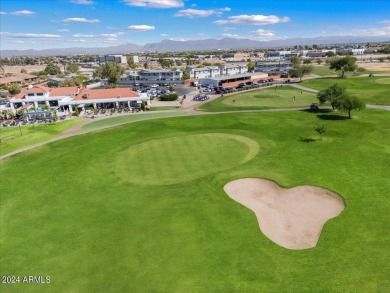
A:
x,y
264,98
177,159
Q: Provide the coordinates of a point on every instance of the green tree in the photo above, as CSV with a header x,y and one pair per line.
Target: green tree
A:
x,y
52,69
307,61
330,94
23,70
14,89
146,65
186,75
131,63
74,81
347,103
300,71
295,60
343,64
330,54
110,70
251,66
73,68
321,129
319,61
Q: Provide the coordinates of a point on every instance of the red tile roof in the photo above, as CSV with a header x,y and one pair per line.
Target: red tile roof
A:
x,y
53,92
105,94
63,91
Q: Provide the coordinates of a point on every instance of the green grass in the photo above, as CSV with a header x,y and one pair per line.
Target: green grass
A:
x,y
163,108
65,212
373,90
323,70
11,138
127,119
163,164
269,98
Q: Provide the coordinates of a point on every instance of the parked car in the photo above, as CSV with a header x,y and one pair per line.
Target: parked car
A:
x,y
314,107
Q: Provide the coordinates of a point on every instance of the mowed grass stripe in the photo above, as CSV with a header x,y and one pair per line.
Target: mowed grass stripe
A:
x,y
177,159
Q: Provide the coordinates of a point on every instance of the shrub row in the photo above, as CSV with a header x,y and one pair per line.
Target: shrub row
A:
x,y
168,97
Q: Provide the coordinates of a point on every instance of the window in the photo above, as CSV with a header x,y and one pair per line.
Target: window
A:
x,y
40,94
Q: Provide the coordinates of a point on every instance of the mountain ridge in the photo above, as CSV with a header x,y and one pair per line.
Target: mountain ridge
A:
x,y
193,45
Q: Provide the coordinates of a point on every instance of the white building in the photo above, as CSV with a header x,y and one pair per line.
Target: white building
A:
x,y
233,69
203,72
151,76
114,58
215,71
68,98
350,51
273,67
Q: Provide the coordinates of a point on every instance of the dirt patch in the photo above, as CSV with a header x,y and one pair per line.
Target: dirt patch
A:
x,y
292,218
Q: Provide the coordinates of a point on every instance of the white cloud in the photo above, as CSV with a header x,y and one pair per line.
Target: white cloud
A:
x,y
235,36
27,35
2,12
374,32
253,20
257,35
80,19
85,2
164,35
22,12
193,13
95,36
111,40
385,21
155,3
63,30
260,33
227,28
140,28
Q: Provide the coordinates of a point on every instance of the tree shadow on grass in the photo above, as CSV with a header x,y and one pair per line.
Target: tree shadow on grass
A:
x,y
317,111
307,140
332,117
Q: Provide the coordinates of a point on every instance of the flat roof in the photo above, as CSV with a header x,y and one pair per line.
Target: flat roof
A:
x,y
225,77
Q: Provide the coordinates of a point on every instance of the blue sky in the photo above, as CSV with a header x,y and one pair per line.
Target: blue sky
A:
x,y
41,24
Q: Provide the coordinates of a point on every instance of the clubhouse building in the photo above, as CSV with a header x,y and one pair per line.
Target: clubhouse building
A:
x,y
66,99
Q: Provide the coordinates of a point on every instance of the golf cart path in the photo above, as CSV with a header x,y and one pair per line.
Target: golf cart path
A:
x,y
189,109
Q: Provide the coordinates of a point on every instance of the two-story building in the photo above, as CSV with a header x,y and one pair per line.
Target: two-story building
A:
x,y
113,58
152,76
203,72
215,71
273,67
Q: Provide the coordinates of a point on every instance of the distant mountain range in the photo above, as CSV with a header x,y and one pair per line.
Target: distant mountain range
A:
x,y
194,45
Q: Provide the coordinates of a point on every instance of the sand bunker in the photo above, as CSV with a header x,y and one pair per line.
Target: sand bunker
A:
x,y
292,218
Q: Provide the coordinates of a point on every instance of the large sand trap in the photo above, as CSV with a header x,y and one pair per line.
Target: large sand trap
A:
x,y
292,218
